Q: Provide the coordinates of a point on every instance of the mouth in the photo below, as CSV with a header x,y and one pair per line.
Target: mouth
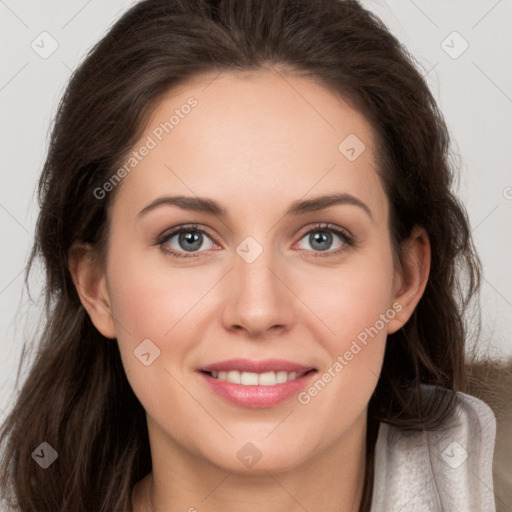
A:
x,y
256,379
256,384
250,372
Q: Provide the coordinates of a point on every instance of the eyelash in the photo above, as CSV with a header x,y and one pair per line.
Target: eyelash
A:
x,y
347,239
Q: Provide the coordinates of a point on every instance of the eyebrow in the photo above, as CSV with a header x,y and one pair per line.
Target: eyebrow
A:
x,y
299,207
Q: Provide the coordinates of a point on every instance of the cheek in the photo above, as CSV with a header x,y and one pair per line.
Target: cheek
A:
x,y
352,297
149,298
355,305
151,302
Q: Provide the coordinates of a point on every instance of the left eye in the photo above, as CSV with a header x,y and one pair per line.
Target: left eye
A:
x,y
321,239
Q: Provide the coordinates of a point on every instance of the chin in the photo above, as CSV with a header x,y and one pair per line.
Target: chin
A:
x,y
253,459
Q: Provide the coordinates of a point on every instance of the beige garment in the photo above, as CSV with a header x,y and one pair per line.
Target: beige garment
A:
x,y
439,471
492,382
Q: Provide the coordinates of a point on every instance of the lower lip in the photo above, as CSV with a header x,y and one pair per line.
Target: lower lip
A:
x,y
257,397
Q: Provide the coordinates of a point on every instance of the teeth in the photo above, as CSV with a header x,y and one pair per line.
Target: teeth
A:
x,y
247,378
254,379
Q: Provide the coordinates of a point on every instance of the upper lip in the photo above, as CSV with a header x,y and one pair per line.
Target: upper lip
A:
x,y
259,366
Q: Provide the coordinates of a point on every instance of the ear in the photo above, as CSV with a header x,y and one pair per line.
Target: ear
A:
x,y
411,277
90,283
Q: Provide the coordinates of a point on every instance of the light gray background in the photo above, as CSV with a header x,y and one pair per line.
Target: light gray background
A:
x,y
474,91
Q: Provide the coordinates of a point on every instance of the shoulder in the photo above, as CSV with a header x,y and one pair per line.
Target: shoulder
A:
x,y
491,380
445,469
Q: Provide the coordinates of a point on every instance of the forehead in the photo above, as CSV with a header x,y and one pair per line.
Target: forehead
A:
x,y
265,136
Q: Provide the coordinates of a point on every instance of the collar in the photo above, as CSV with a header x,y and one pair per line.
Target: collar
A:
x,y
446,470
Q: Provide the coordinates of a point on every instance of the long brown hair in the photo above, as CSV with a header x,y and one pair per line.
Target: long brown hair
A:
x,y
76,396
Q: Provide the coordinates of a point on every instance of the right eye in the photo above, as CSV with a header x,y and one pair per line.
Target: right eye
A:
x,y
185,239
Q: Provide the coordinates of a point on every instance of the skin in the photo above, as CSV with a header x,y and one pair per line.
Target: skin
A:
x,y
254,143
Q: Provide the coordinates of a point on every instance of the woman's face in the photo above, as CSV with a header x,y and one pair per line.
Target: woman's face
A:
x,y
281,274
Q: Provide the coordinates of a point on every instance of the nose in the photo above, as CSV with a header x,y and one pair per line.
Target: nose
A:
x,y
259,299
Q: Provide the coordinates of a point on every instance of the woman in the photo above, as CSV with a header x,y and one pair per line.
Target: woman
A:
x,y
252,255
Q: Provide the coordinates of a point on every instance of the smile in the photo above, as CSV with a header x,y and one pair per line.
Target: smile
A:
x,y
258,395
256,379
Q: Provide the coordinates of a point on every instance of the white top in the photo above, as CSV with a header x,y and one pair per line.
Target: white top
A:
x,y
440,471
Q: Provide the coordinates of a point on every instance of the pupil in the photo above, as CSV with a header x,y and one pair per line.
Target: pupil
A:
x,y
318,238
193,240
